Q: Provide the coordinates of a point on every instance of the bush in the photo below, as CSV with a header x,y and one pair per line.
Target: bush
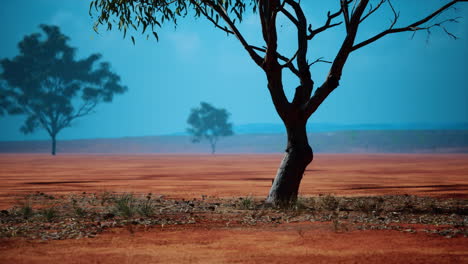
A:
x,y
125,205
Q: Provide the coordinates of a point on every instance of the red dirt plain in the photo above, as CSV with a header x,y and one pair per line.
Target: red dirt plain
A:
x,y
183,176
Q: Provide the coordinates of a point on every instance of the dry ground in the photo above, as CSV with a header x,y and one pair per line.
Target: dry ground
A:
x,y
177,176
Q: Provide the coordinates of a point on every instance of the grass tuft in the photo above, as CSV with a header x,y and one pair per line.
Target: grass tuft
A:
x,y
49,213
125,205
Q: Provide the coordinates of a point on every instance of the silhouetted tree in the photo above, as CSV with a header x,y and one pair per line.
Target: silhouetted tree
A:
x,y
226,14
46,83
210,123
5,102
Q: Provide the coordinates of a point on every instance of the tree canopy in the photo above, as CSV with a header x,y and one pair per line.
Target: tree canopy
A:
x,y
47,84
209,123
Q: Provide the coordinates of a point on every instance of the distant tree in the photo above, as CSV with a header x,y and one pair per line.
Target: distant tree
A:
x,y
46,83
225,15
5,103
210,123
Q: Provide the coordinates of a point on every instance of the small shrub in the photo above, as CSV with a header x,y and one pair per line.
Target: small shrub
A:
x,y
26,211
146,206
79,211
246,203
125,205
49,213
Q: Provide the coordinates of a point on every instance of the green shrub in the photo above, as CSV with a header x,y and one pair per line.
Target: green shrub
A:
x,y
125,205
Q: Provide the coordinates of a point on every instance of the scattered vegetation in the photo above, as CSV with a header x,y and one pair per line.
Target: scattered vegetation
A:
x,y
86,215
26,210
49,213
246,203
125,205
146,206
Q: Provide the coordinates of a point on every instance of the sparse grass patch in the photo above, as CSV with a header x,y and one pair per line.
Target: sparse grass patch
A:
x,y
49,213
328,202
369,205
86,215
125,205
146,206
77,209
246,203
26,210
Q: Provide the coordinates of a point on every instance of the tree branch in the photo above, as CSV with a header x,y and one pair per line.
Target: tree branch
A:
x,y
223,14
215,23
336,69
288,62
304,90
372,10
327,25
412,27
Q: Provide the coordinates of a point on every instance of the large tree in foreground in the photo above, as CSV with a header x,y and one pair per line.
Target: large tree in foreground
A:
x,y
209,123
226,14
47,84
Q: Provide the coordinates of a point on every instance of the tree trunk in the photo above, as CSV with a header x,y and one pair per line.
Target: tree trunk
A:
x,y
299,154
213,148
213,142
54,143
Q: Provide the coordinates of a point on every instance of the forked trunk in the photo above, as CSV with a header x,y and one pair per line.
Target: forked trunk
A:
x,y
288,178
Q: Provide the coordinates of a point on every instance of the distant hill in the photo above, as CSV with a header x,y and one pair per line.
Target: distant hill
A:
x,y
271,128
352,141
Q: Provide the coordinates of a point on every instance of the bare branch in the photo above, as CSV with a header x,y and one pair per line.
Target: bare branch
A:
x,y
223,14
319,60
336,69
372,10
345,10
416,26
288,62
289,15
303,91
327,25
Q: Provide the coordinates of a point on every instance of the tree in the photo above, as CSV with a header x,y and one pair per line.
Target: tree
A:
x,y
210,123
46,83
225,16
5,102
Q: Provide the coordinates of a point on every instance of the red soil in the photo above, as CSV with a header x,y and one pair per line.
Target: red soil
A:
x,y
235,175
230,175
289,243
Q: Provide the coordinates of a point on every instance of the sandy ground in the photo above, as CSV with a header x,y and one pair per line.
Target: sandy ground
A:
x,y
229,176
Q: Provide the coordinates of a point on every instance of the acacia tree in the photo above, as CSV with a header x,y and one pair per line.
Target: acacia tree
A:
x,y
46,83
226,14
210,123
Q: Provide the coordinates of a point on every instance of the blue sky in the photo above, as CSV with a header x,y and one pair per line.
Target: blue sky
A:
x,y
396,80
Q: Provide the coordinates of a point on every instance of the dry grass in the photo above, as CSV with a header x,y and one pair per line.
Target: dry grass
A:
x,y
86,215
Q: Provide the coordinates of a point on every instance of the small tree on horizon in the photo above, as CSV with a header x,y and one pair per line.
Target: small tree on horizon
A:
x,y
46,83
209,123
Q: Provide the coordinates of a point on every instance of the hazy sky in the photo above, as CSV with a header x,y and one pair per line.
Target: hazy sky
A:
x,y
395,80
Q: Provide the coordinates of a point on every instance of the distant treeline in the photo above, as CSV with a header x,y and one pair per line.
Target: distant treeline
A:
x,y
371,141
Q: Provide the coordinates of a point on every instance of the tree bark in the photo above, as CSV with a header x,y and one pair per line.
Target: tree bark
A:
x,y
54,143
298,155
